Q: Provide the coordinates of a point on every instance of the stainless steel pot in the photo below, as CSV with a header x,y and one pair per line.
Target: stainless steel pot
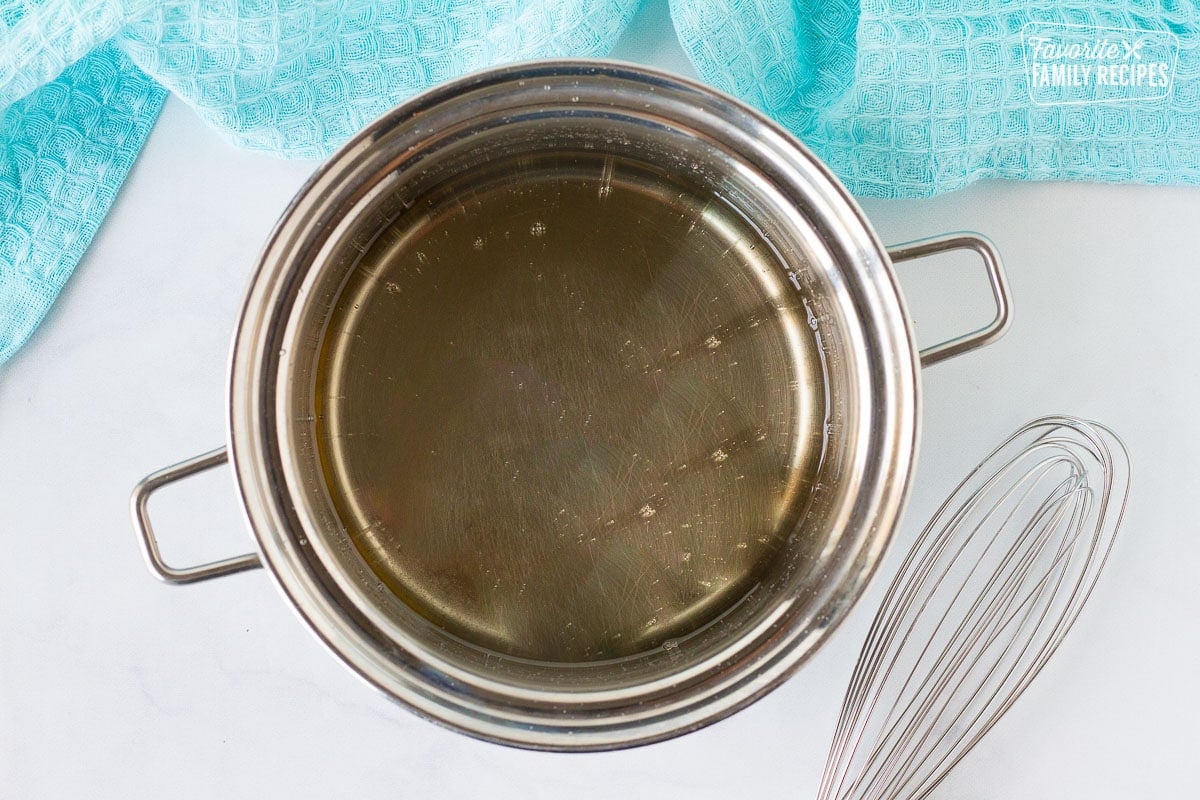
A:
x,y
804,303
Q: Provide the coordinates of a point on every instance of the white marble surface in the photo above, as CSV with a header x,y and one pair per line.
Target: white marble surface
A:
x,y
115,686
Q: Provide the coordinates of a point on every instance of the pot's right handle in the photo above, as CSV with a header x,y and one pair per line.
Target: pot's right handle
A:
x,y
141,521
963,240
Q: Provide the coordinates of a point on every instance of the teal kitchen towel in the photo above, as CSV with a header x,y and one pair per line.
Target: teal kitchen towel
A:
x,y
64,152
291,77
906,98
901,97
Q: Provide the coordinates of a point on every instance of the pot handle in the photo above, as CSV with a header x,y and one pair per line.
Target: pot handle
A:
x,y
963,240
141,522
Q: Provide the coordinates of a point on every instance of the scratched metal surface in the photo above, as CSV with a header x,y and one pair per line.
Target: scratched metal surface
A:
x,y
567,410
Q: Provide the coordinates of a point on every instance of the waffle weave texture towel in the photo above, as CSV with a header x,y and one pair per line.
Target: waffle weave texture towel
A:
x,y
900,97
291,77
907,98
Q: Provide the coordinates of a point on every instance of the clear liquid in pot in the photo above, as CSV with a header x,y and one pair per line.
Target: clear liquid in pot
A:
x,y
569,408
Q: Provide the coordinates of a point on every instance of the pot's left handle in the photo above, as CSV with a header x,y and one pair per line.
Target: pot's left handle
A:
x,y
141,521
983,247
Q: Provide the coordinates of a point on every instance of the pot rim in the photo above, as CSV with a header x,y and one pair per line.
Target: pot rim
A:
x,y
252,433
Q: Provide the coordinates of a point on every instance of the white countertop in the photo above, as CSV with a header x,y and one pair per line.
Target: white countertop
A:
x,y
113,685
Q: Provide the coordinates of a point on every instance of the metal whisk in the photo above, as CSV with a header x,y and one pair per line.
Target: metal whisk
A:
x,y
980,604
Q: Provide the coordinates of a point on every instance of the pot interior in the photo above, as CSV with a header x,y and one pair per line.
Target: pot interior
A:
x,y
570,408
573,400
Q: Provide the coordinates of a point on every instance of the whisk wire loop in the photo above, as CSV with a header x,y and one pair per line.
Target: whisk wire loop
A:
x,y
979,605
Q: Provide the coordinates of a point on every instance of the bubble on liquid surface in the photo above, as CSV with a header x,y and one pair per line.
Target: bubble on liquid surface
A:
x,y
537,229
